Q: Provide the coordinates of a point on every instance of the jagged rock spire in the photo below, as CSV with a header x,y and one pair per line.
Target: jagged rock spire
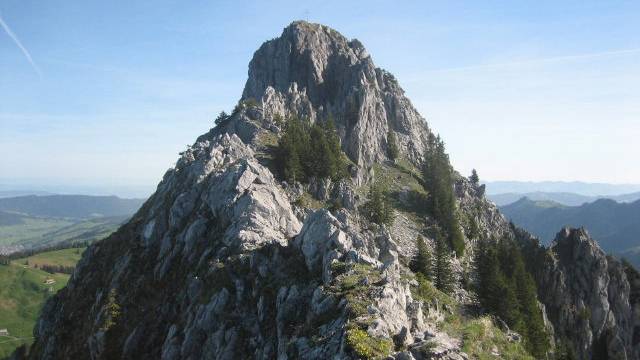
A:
x,y
313,71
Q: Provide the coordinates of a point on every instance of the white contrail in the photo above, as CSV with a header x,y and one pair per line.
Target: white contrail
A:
x,y
24,50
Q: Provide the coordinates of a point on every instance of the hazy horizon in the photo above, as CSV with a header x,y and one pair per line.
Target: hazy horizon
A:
x,y
136,190
518,92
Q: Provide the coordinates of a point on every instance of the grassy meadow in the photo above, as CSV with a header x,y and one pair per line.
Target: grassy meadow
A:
x,y
23,292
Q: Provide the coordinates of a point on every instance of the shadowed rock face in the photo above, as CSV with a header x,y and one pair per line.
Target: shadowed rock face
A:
x,y
586,295
313,71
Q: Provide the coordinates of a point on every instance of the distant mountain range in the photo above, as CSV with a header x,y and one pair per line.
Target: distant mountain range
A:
x,y
564,198
16,193
616,226
575,187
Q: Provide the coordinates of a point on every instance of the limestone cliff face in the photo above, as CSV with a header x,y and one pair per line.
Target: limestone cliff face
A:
x,y
587,298
313,71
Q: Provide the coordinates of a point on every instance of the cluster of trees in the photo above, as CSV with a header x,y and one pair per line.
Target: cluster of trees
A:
x,y
305,151
53,269
222,119
379,208
438,182
436,268
506,289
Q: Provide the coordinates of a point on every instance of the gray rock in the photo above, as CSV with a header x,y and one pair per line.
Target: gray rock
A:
x,y
586,295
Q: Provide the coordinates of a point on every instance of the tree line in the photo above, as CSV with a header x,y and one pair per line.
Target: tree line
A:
x,y
6,259
53,269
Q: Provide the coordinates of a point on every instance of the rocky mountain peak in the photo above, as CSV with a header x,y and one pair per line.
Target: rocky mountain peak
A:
x,y
225,262
313,71
310,55
586,294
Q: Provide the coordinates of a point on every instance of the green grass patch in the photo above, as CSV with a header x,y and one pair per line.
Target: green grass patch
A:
x,y
23,291
366,346
481,339
65,257
427,292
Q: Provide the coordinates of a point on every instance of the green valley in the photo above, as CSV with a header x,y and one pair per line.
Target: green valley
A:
x,y
23,291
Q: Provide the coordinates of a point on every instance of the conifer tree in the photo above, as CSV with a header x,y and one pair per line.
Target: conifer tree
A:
x,y
222,118
292,148
474,230
438,182
474,177
507,290
443,279
292,166
338,164
378,208
422,262
392,145
306,151
320,158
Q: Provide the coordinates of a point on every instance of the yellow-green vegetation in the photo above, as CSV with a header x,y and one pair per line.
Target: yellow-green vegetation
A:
x,y
23,291
354,282
367,347
111,311
481,339
427,292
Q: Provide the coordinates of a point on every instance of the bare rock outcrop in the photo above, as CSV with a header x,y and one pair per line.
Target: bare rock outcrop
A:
x,y
313,71
587,298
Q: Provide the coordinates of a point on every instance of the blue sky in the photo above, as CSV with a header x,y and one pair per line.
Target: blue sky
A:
x,y
546,90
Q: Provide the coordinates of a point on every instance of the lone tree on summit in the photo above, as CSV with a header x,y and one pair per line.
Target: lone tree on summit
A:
x,y
474,177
